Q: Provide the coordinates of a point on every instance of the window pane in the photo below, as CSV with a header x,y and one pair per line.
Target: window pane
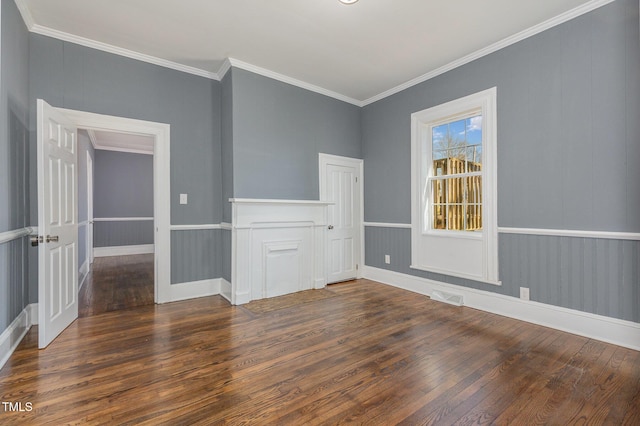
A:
x,y
473,189
473,217
439,216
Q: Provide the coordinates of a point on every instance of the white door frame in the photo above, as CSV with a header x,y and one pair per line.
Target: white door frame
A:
x,y
161,133
89,253
325,160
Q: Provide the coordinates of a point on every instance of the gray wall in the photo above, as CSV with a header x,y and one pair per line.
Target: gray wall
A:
x,y
568,132
123,184
278,131
14,162
76,77
123,187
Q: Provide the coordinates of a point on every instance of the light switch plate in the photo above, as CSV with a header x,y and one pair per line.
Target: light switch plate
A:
x,y
183,198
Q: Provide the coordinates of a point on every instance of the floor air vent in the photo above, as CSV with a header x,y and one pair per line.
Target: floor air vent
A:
x,y
452,299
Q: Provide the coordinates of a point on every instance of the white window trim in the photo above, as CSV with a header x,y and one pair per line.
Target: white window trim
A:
x,y
486,102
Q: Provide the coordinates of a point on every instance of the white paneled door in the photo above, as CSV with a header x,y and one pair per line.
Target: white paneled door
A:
x,y
342,187
57,223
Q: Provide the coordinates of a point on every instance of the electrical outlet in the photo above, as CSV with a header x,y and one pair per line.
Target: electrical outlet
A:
x,y
387,259
183,198
524,293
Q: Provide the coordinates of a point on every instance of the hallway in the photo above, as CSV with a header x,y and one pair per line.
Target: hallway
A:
x,y
116,283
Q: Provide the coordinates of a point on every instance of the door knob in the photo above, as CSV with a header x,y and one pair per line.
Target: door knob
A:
x,y
35,240
52,238
330,226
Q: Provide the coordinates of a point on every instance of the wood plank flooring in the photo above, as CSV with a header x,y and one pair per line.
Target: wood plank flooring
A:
x,y
116,283
372,355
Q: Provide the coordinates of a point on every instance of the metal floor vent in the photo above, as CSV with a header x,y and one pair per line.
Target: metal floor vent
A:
x,y
452,299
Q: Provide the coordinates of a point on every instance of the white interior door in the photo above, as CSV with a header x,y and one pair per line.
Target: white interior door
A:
x,y
57,223
341,185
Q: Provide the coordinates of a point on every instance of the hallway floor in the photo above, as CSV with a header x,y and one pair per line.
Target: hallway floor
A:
x,y
117,282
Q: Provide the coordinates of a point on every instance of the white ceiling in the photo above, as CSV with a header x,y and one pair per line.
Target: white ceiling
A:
x,y
359,51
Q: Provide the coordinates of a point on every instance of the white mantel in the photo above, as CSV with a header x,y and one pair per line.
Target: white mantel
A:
x,y
278,247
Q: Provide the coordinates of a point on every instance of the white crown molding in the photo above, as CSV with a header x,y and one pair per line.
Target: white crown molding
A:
x,y
294,82
550,23
229,62
82,41
606,329
224,68
26,14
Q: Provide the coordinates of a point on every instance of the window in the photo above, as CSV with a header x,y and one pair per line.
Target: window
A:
x,y
454,225
455,178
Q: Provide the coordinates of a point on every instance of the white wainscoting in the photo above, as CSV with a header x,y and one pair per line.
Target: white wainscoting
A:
x,y
278,247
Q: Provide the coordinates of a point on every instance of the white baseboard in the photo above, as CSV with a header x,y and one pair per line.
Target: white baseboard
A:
x,y
225,289
13,335
194,289
123,250
606,329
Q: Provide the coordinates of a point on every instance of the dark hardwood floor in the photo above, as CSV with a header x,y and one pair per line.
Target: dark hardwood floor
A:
x,y
116,283
372,355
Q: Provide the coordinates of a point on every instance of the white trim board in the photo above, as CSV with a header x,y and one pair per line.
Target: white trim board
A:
x,y
606,329
13,335
161,133
123,250
196,227
194,289
571,233
387,225
574,233
15,234
121,219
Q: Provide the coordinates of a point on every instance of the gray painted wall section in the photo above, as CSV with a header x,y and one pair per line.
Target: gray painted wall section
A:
x,y
123,184
127,233
599,276
226,129
568,132
76,77
123,187
567,103
195,255
278,131
14,162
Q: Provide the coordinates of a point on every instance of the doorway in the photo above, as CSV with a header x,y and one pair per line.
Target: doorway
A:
x,y
341,184
53,322
120,173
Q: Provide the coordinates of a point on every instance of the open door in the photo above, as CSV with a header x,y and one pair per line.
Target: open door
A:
x,y
57,223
